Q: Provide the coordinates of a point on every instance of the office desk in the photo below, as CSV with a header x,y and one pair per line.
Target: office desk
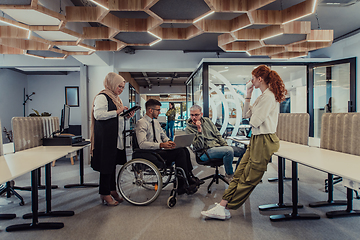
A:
x,y
336,163
81,160
17,164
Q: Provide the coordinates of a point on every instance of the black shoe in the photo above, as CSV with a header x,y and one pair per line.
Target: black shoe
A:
x,y
197,181
181,191
191,189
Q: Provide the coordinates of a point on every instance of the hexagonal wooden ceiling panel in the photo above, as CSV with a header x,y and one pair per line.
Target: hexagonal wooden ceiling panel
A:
x,y
255,27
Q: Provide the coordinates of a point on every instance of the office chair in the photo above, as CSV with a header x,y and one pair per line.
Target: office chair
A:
x,y
214,163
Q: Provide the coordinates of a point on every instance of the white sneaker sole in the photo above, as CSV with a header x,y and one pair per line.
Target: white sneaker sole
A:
x,y
206,214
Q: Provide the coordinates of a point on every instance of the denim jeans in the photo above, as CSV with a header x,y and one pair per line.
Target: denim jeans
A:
x,y
227,153
170,130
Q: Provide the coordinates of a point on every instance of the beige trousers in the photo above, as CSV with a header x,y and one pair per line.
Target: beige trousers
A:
x,y
251,169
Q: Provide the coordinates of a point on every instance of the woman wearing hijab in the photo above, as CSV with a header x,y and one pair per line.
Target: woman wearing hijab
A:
x,y
107,142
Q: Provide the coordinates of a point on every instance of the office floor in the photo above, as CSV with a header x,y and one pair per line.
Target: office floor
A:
x,y
95,221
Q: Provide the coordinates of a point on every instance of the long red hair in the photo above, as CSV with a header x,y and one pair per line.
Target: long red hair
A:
x,y
273,80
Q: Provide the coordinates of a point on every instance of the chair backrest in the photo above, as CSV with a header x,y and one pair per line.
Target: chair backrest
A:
x,y
28,132
1,143
341,132
293,127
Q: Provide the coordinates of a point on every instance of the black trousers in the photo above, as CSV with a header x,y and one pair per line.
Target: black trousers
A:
x,y
107,182
180,156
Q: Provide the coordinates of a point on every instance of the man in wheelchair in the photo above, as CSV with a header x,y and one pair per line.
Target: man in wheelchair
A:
x,y
151,136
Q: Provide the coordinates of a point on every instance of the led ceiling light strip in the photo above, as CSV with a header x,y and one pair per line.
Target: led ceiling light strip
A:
x,y
242,27
99,4
206,15
313,10
157,41
314,6
327,40
14,25
154,35
279,34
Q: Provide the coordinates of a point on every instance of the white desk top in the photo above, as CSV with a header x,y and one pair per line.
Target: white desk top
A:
x,y
16,164
337,163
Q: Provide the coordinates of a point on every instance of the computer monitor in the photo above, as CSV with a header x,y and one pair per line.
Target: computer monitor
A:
x,y
65,118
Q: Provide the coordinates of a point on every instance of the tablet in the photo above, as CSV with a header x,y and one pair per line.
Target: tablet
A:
x,y
126,112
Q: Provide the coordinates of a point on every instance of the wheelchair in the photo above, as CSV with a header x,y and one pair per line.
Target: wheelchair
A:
x,y
141,180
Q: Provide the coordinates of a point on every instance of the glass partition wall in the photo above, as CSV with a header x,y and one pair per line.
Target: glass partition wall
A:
x,y
220,90
333,90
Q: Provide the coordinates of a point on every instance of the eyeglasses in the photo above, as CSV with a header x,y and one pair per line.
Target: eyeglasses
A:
x,y
156,109
195,115
121,87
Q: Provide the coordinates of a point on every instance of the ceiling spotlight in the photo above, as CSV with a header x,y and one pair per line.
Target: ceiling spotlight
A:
x,y
99,4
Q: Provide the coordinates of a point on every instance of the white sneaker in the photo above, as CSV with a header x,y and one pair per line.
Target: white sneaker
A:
x,y
227,214
218,212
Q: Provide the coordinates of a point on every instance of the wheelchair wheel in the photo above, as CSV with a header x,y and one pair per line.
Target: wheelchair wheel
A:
x,y
167,176
171,201
139,182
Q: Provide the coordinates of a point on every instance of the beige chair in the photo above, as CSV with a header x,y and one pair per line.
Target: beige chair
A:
x,y
339,132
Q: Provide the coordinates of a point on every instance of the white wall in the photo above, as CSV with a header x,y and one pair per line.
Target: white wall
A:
x,y
50,94
152,61
163,89
11,97
346,48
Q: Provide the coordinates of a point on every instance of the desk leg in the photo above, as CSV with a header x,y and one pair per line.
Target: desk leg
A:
x,y
5,216
35,225
281,204
48,212
330,201
294,214
349,209
283,172
39,182
82,184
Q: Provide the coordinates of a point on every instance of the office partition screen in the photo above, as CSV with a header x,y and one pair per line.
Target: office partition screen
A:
x,y
226,92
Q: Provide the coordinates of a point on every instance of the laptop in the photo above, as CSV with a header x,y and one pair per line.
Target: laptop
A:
x,y
184,140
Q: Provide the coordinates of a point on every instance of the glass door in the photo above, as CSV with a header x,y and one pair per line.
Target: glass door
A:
x,y
333,91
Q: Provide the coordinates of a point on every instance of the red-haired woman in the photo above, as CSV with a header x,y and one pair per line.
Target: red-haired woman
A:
x,y
263,116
